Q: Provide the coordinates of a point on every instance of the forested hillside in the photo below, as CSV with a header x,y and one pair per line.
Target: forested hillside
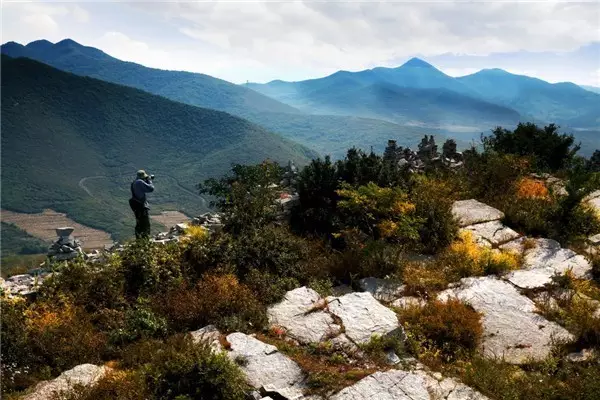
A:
x,y
73,144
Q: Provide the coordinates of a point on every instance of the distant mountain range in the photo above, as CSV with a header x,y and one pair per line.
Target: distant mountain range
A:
x,y
399,94
328,134
72,143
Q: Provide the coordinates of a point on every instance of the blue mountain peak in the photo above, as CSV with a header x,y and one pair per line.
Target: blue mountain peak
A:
x,y
417,63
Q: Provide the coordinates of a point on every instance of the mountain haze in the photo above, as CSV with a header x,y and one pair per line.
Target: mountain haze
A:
x,y
328,134
73,144
186,87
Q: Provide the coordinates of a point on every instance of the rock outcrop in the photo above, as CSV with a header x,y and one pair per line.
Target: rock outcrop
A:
x,y
362,316
263,365
82,375
470,212
545,259
301,313
512,329
407,385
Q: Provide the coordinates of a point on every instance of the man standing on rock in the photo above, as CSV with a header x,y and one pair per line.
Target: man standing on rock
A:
x,y
139,204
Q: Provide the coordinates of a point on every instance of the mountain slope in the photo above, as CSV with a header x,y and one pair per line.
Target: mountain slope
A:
x,y
325,133
186,87
594,89
415,92
72,144
564,103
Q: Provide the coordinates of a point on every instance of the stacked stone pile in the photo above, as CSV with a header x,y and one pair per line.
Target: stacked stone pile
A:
x,y
66,247
211,221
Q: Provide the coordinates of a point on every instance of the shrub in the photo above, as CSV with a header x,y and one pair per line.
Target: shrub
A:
x,y
180,368
451,328
381,213
216,299
433,200
528,188
423,279
378,347
61,334
464,257
140,322
148,267
246,196
93,286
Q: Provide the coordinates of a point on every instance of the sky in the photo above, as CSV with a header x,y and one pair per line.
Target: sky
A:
x,y
259,41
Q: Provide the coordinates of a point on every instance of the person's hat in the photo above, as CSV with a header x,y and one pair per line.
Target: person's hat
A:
x,y
141,174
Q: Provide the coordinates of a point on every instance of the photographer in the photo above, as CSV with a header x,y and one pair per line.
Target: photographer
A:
x,y
139,204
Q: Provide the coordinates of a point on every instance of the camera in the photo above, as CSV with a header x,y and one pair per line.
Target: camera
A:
x,y
151,177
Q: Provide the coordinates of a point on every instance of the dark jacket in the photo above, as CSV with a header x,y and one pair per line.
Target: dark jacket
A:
x,y
139,188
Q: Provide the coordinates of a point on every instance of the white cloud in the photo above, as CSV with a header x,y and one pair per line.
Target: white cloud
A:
x,y
40,24
80,14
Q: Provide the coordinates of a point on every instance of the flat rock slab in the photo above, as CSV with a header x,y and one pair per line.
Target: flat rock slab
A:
x,y
302,314
262,364
382,289
545,260
493,231
363,316
406,385
512,329
82,375
469,212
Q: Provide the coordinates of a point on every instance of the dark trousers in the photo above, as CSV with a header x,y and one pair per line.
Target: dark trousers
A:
x,y
142,223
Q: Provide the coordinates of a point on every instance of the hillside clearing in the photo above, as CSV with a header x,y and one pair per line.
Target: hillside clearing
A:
x,y
170,218
42,226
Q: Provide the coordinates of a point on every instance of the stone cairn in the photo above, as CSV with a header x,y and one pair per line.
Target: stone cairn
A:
x,y
66,247
427,154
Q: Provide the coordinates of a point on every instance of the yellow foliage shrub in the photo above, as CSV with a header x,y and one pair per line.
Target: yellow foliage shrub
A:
x,y
196,232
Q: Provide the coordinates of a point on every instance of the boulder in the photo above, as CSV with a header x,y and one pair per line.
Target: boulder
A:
x,y
301,313
469,212
82,375
512,329
382,289
262,364
406,385
209,334
493,231
362,316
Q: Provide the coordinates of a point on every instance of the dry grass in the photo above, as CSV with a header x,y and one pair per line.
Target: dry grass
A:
x,y
43,225
170,218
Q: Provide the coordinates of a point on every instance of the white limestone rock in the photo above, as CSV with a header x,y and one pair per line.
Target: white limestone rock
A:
x,y
406,385
82,375
382,289
409,301
363,316
263,364
469,212
494,232
210,334
512,329
302,314
546,259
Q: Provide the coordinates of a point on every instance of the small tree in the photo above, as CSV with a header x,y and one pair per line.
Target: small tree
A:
x,y
246,196
550,149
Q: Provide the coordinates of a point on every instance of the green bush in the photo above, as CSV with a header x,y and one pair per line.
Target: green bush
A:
x,y
149,267
179,368
140,322
549,149
433,200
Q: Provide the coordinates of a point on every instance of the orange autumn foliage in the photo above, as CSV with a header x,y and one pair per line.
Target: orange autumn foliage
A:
x,y
528,188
